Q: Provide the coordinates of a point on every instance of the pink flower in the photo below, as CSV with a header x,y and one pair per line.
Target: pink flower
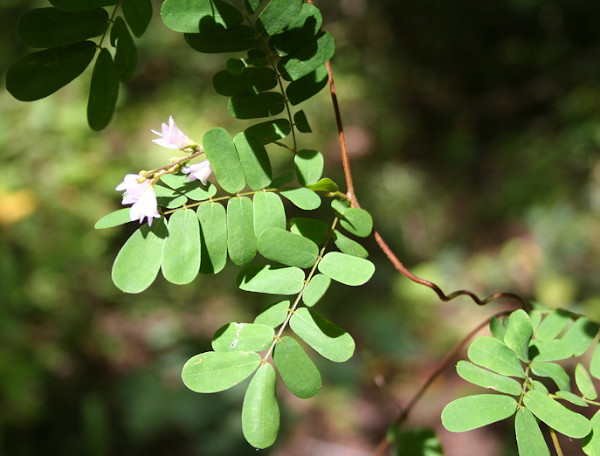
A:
x,y
172,137
200,171
142,196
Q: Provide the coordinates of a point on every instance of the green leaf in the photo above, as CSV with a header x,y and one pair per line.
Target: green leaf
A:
x,y
556,415
297,370
214,38
268,212
181,251
137,14
357,221
572,398
550,350
104,91
138,261
315,289
184,15
553,371
249,81
284,179
252,5
307,86
224,159
51,27
552,325
580,335
595,362
260,412
309,166
307,58
242,337
273,315
493,354
584,382
169,198
303,198
213,224
241,242
79,5
287,248
254,160
487,379
349,246
277,15
182,186
591,443
347,269
39,74
116,218
530,439
472,412
301,122
498,328
264,104
302,28
518,333
126,54
414,442
315,230
272,130
324,185
211,372
325,337
535,316
271,280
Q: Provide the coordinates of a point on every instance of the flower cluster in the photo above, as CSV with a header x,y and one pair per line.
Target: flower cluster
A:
x,y
139,190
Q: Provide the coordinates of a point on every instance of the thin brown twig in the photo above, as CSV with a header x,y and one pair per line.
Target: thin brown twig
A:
x,y
384,443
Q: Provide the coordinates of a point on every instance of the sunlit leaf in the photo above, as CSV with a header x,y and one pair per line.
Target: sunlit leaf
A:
x,y
328,339
168,198
556,415
254,160
584,382
347,269
51,27
270,131
315,289
287,248
213,223
553,371
181,251
550,350
302,28
498,328
116,218
260,412
242,337
137,14
277,15
224,159
488,379
39,74
491,353
271,280
309,166
104,91
303,198
591,443
211,372
297,370
138,261
580,335
472,412
184,15
268,212
518,334
530,439
274,315
349,246
552,325
241,242
357,221
308,57
572,398
324,185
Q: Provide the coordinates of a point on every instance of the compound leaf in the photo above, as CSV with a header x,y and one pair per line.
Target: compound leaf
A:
x,y
346,269
584,382
256,105
553,371
254,160
213,224
552,325
79,5
268,212
181,251
224,159
315,289
309,166
242,337
271,280
313,229
260,412
303,198
306,59
184,15
297,370
472,412
116,218
580,335
491,353
211,372
556,415
241,242
530,439
104,91
591,443
137,14
274,315
126,54
277,15
518,334
287,248
487,379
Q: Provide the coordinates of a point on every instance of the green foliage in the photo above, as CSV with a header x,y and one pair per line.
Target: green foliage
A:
x,y
513,362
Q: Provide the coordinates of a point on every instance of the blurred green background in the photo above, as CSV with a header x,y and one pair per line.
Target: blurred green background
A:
x,y
474,129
